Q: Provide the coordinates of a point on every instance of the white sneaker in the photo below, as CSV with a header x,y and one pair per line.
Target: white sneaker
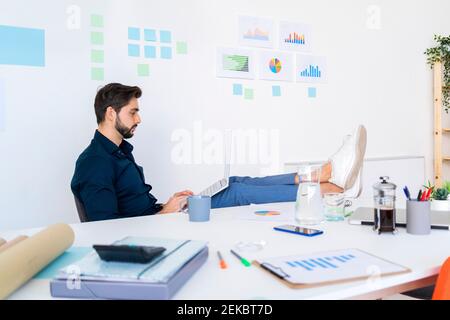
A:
x,y
346,163
355,191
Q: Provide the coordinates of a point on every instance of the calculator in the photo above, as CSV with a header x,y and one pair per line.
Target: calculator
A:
x,y
128,253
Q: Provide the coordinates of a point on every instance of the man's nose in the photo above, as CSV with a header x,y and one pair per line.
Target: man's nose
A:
x,y
138,119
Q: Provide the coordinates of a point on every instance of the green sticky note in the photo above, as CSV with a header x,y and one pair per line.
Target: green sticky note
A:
x,y
143,70
181,48
97,38
97,74
97,56
248,94
96,21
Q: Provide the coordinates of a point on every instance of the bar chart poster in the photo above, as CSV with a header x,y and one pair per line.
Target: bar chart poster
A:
x,y
311,69
276,66
295,37
235,63
256,32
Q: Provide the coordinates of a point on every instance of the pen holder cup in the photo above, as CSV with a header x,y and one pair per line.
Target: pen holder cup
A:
x,y
418,219
199,208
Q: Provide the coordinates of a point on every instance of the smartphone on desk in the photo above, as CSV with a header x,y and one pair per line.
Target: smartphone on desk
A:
x,y
298,230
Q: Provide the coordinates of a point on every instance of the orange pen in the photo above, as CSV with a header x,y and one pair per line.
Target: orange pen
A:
x,y
223,264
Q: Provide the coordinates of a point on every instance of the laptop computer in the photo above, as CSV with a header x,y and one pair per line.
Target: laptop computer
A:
x,y
219,185
222,183
365,216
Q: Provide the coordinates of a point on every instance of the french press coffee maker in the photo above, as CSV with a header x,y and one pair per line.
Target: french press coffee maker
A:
x,y
384,211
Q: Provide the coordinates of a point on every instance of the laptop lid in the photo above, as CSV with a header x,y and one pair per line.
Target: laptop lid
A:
x,y
365,216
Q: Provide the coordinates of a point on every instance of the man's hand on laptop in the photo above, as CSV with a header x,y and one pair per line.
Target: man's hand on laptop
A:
x,y
176,202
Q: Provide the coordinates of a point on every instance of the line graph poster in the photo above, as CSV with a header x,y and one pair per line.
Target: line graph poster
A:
x,y
295,37
235,63
278,66
311,69
256,32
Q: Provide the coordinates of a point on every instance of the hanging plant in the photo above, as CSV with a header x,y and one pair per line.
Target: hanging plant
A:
x,y
441,53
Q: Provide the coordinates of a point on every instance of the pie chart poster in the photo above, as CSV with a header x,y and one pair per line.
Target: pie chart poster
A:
x,y
278,66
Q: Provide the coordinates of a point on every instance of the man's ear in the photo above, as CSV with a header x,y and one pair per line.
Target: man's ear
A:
x,y
110,114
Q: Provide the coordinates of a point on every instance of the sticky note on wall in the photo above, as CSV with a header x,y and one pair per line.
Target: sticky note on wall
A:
x,y
97,56
150,52
150,35
22,46
134,33
276,91
165,36
97,74
182,48
97,38
248,94
133,50
143,70
237,89
166,52
96,21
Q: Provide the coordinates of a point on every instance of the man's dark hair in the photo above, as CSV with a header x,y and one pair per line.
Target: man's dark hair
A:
x,y
114,95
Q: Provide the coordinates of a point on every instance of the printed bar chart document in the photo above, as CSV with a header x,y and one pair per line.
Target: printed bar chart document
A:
x,y
329,267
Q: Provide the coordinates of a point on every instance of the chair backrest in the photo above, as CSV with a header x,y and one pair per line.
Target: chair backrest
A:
x,y
442,288
80,208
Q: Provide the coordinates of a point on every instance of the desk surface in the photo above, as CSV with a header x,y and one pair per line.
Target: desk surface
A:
x,y
422,254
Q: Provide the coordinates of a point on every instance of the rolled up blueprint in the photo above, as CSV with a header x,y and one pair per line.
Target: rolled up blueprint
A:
x,y
11,243
22,261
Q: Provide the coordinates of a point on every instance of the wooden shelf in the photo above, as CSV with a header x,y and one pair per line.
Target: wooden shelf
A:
x,y
439,158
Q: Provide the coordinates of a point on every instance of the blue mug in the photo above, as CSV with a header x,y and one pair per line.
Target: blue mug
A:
x,y
199,208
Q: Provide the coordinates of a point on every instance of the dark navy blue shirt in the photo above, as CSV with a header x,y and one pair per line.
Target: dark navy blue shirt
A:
x,y
109,183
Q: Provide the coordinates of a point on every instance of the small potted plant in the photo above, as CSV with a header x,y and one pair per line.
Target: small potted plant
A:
x,y
446,185
440,200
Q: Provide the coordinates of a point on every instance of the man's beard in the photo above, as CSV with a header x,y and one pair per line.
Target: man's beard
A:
x,y
123,130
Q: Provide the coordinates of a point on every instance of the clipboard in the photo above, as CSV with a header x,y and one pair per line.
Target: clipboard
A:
x,y
365,264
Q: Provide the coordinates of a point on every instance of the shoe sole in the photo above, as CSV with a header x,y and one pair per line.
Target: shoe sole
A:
x,y
359,154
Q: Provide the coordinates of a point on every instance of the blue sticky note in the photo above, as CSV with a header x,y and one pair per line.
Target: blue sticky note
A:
x,y
276,91
22,46
71,256
133,50
150,52
237,89
134,33
166,52
150,35
312,92
165,36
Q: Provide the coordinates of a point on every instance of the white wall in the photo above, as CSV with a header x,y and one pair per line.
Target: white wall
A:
x,y
49,111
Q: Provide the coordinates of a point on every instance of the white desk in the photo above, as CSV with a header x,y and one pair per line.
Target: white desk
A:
x,y
422,254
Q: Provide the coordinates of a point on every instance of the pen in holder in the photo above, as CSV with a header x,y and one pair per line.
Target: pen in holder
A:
x,y
418,219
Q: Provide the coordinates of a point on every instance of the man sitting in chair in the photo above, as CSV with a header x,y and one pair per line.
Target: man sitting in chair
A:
x,y
109,184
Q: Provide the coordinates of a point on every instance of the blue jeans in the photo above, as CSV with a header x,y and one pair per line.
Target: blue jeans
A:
x,y
245,190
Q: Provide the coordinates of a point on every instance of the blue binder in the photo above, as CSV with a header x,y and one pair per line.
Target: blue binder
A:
x,y
158,280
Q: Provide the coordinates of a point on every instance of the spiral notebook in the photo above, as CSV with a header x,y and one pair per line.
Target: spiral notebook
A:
x,y
330,267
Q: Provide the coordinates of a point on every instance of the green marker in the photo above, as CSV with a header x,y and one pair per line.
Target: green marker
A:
x,y
244,261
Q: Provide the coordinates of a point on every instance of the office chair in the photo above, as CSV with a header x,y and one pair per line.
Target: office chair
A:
x,y
442,289
438,291
81,211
